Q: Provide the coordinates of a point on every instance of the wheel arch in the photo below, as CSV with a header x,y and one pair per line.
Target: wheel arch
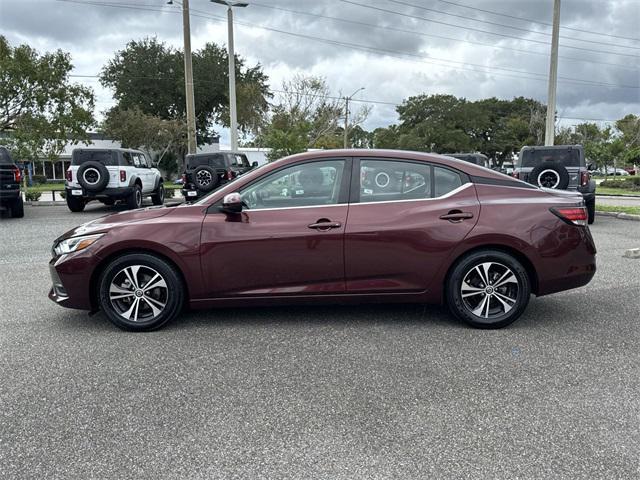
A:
x,y
97,271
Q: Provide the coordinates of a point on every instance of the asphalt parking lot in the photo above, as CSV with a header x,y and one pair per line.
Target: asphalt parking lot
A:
x,y
343,392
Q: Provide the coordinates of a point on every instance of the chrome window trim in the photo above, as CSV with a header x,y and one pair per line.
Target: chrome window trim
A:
x,y
462,187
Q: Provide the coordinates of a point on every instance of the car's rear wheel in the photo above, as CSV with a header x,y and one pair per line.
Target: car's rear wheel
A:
x,y
158,197
488,289
17,209
134,200
75,204
140,292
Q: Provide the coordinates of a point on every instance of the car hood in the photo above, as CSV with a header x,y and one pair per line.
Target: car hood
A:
x,y
107,222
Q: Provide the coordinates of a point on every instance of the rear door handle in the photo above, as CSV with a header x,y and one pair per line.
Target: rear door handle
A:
x,y
325,225
456,216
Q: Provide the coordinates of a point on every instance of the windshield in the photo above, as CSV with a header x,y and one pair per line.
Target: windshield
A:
x,y
204,199
533,158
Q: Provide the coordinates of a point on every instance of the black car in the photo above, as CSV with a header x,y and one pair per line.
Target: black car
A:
x,y
475,158
560,167
204,172
10,177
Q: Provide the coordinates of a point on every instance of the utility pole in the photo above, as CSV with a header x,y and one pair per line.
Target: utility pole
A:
x,y
553,77
232,70
346,117
188,79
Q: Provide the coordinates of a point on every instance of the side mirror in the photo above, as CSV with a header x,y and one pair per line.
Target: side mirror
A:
x,y
254,164
232,203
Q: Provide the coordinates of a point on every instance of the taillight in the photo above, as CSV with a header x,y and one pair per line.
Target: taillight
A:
x,y
123,175
184,178
230,174
584,179
69,176
17,175
571,215
515,174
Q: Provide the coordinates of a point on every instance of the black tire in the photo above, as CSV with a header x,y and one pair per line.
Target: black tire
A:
x,y
134,200
205,178
115,282
93,176
497,315
158,197
17,209
550,175
108,201
591,211
75,204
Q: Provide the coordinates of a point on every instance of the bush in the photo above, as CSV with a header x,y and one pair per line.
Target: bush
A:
x,y
632,183
32,196
39,179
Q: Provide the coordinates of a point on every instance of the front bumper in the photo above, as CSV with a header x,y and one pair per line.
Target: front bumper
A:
x,y
71,280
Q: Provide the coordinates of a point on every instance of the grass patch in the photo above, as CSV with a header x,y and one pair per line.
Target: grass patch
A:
x,y
616,191
617,209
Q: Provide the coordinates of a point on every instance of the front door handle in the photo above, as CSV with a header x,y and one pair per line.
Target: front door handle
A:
x,y
456,216
325,225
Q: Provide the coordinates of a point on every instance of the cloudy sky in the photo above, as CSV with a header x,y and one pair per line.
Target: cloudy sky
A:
x,y
392,48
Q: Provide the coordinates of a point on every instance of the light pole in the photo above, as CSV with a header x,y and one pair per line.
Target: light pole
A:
x,y
550,130
188,78
232,70
346,116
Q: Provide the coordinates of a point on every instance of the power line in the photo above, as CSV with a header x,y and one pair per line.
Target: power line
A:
x,y
413,32
440,12
513,17
393,12
520,74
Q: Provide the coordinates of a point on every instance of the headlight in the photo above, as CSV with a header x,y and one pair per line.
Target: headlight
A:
x,y
76,244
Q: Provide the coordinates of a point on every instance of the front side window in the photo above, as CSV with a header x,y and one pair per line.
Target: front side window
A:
x,y
384,180
307,184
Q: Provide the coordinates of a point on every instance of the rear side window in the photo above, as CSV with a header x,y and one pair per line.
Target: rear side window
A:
x,y
128,159
533,158
445,181
383,180
104,157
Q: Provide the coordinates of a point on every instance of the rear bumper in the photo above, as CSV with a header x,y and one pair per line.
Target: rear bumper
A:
x,y
113,193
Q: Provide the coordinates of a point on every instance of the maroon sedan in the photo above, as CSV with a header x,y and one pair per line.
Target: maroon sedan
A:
x,y
333,227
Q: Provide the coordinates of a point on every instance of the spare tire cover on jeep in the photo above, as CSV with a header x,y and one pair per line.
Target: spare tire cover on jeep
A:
x,y
93,176
205,178
550,175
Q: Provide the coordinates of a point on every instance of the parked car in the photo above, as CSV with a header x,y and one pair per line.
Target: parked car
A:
x,y
559,167
621,172
475,239
109,175
204,172
631,170
475,158
10,178
507,168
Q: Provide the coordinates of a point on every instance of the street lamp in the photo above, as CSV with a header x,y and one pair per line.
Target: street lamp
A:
x,y
232,70
346,115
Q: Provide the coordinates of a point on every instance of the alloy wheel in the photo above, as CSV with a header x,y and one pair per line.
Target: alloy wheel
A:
x,y
204,178
489,290
138,293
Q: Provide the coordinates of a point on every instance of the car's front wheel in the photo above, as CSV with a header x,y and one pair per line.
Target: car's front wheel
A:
x,y
488,289
134,200
591,211
17,209
158,197
140,292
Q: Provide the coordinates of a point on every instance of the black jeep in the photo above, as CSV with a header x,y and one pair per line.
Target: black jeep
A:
x,y
562,167
10,177
204,172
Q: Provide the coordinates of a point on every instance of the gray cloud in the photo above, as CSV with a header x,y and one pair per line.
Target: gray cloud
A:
x,y
93,33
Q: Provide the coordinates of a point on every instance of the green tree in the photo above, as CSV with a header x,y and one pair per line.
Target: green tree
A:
x,y
305,117
149,75
40,109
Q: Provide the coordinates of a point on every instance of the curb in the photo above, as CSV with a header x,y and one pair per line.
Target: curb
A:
x,y
620,215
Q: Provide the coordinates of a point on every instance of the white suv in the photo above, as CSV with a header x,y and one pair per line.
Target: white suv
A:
x,y
111,174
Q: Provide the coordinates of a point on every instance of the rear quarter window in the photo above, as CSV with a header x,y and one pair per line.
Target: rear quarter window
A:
x,y
216,160
533,158
104,157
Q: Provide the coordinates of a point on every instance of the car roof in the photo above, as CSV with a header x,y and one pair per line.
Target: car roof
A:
x,y
130,150
465,167
206,154
551,147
